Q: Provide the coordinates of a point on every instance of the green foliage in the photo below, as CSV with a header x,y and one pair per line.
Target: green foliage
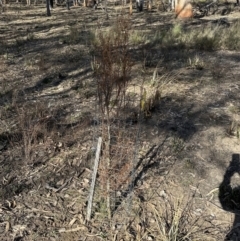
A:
x,y
137,38
206,42
209,38
176,31
78,36
231,37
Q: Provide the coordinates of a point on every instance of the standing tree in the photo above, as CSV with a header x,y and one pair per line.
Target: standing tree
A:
x,y
48,7
68,4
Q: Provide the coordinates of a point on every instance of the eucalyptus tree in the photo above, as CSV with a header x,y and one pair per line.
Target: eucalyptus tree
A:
x,y
49,5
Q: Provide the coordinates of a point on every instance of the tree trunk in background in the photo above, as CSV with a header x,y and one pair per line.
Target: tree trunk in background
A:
x,y
139,5
131,8
68,5
105,8
176,2
48,7
51,4
184,9
173,4
150,5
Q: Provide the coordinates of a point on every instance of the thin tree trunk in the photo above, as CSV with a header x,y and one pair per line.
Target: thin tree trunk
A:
x,y
172,4
68,5
131,7
149,5
105,8
48,7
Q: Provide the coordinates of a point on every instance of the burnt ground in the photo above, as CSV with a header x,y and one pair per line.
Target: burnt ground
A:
x,y
48,95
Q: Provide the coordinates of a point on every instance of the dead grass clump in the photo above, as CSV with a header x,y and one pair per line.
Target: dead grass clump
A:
x,y
137,37
205,43
150,101
212,37
20,41
34,121
78,35
173,38
207,39
163,216
176,219
231,36
196,62
33,127
152,92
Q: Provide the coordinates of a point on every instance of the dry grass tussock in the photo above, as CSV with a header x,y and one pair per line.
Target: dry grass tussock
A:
x,y
213,36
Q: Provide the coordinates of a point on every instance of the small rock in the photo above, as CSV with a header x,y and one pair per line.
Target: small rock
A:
x,y
118,193
60,144
150,237
212,216
198,211
76,162
163,194
85,182
152,220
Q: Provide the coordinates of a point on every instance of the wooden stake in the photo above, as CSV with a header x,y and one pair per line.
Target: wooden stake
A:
x,y
89,207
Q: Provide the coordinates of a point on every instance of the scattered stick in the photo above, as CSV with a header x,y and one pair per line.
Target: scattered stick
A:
x,y
63,230
47,186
